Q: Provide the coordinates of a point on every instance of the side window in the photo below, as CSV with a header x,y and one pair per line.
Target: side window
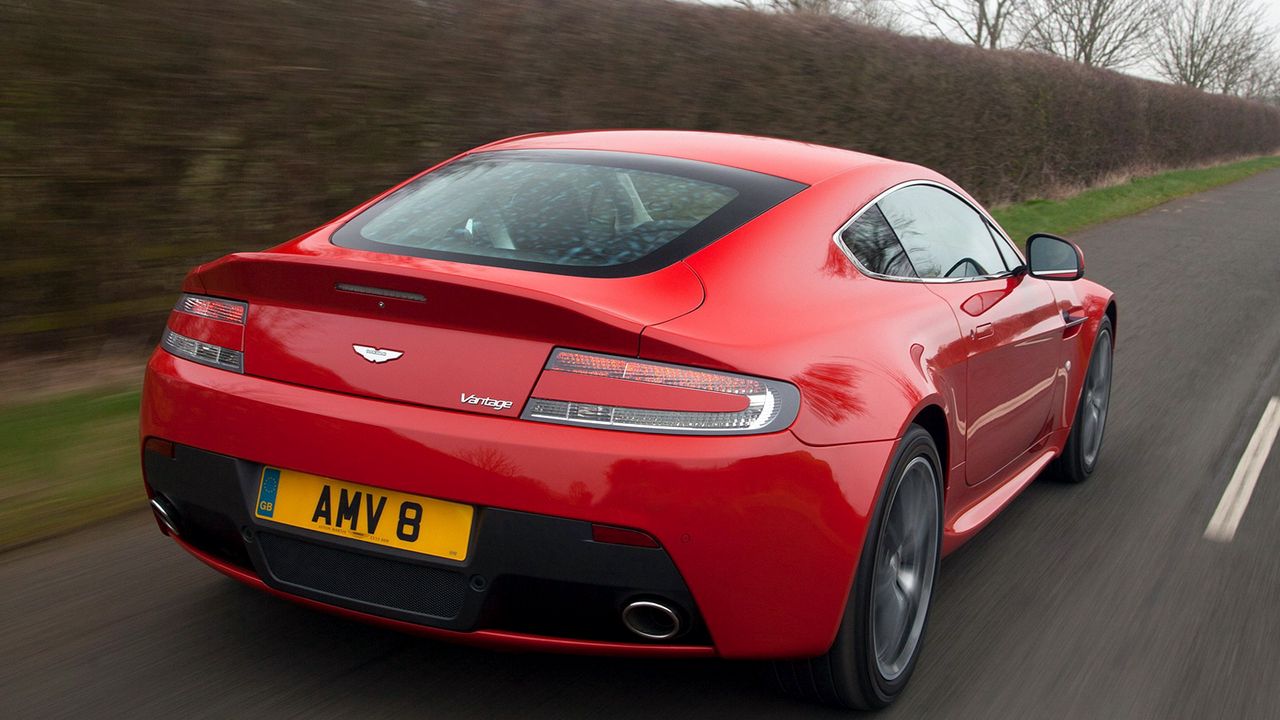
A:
x,y
942,235
874,243
1011,259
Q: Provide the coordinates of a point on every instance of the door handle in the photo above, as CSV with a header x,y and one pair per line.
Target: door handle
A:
x,y
1070,318
982,331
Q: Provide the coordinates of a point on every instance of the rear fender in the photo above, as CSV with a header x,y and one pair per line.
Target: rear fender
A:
x,y
1087,298
865,353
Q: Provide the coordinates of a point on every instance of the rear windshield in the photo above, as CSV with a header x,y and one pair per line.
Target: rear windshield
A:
x,y
569,211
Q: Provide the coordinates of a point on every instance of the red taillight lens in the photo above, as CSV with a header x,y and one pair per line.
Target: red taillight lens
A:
x,y
582,363
213,308
582,388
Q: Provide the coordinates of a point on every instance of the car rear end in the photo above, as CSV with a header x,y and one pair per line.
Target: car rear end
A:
x,y
456,436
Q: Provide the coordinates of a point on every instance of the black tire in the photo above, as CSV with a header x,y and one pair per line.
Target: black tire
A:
x,y
1077,461
849,675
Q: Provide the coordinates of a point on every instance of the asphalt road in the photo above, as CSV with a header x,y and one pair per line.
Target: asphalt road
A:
x,y
1096,601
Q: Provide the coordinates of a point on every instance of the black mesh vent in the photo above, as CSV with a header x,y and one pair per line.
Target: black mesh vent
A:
x,y
378,581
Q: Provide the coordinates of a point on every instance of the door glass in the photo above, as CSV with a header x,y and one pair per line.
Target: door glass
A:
x,y
942,235
1011,259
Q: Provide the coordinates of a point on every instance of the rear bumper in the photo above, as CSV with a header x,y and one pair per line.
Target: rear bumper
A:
x,y
759,534
528,574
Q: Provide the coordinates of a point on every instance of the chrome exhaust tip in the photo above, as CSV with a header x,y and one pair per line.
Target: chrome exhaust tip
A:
x,y
165,515
651,620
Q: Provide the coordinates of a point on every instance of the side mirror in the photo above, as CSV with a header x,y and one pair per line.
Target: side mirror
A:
x,y
1049,257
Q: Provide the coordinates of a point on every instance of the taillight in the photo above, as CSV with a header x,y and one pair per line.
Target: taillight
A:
x,y
207,330
583,388
232,311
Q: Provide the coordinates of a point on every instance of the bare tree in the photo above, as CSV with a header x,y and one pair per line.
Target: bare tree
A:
x,y
985,23
1210,44
1263,81
879,13
1245,58
1098,33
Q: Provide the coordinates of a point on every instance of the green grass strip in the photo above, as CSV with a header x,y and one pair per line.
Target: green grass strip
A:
x,y
1091,207
66,462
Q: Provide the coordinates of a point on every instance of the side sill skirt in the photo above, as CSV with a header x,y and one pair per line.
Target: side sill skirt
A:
x,y
966,524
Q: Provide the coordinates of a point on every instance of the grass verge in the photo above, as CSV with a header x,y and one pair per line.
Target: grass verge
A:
x,y
1108,203
66,462
73,459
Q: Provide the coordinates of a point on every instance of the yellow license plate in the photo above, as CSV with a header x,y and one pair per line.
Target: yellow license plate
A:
x,y
373,515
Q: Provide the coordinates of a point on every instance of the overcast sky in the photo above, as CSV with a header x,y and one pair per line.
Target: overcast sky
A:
x,y
1272,8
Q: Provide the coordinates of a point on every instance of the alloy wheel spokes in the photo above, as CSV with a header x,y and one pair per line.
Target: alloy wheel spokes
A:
x,y
1096,399
905,561
892,610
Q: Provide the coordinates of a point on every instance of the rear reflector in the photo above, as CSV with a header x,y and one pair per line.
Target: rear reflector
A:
x,y
231,311
159,446
202,352
582,388
622,536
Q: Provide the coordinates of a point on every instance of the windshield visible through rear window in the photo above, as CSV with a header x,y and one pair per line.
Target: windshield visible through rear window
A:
x,y
571,211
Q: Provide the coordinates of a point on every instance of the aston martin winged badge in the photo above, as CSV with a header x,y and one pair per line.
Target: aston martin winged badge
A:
x,y
376,355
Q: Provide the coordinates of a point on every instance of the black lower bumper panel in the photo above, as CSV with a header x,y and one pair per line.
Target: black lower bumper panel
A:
x,y
526,573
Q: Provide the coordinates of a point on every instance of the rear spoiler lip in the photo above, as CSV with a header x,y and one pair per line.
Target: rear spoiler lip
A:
x,y
432,289
414,277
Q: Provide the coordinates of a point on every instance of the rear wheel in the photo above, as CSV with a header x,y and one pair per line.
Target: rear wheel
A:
x,y
1084,443
880,637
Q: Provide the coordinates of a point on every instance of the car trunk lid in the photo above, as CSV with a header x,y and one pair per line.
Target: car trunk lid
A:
x,y
447,335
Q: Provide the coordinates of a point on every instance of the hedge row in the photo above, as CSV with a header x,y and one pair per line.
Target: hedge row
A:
x,y
141,136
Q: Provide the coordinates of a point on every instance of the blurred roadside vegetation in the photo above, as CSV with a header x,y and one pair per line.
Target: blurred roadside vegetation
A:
x,y
141,137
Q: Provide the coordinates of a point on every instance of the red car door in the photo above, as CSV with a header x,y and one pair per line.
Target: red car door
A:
x,y
1013,333
1008,321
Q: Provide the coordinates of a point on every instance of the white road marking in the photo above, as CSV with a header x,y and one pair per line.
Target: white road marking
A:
x,y
1225,520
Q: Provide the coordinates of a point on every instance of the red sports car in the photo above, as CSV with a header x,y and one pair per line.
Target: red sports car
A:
x,y
630,392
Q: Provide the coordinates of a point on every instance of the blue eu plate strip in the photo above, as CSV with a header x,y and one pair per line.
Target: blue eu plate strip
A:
x,y
267,492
